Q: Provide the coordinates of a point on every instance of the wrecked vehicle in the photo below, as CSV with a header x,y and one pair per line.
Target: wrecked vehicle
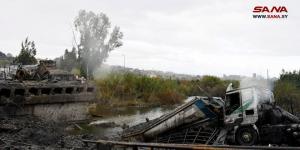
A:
x,y
247,116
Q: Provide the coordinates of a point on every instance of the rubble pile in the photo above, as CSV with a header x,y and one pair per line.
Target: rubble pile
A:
x,y
28,132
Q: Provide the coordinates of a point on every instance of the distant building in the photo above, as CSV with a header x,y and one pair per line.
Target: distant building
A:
x,y
232,77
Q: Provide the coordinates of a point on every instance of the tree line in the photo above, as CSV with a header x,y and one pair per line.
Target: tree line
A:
x,y
287,90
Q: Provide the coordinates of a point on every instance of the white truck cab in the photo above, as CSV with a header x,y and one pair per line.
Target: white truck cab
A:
x,y
241,105
241,112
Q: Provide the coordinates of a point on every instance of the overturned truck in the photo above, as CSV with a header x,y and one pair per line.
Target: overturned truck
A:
x,y
247,116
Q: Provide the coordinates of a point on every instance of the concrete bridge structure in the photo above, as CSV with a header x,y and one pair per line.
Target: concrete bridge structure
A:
x,y
50,100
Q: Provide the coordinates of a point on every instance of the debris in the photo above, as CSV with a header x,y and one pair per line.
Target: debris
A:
x,y
45,92
8,127
28,132
76,125
104,124
247,116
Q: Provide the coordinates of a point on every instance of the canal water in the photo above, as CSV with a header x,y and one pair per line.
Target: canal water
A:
x,y
112,120
110,126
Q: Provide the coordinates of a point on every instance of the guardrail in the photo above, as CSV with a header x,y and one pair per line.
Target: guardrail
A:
x,y
115,145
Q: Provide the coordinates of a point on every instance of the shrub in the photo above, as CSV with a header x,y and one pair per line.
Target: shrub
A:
x,y
155,91
287,91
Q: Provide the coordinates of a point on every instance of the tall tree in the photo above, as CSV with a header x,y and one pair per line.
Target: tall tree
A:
x,y
27,53
95,40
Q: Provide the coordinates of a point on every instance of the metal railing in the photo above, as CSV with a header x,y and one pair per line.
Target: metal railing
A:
x,y
116,145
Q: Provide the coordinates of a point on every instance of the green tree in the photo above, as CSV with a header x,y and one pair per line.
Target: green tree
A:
x,y
287,90
287,95
95,40
213,86
27,53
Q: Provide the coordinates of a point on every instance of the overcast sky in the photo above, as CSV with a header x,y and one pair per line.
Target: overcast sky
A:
x,y
213,37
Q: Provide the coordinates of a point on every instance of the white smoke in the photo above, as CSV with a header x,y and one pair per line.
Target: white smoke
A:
x,y
256,81
102,72
261,83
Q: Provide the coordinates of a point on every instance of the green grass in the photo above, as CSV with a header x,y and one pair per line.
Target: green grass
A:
x,y
129,89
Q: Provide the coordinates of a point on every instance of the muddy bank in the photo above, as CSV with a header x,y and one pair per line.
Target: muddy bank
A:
x,y
29,132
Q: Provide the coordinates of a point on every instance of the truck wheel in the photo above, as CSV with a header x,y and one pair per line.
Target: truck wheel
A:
x,y
246,136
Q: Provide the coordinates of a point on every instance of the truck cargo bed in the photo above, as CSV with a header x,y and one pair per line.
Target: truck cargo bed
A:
x,y
195,110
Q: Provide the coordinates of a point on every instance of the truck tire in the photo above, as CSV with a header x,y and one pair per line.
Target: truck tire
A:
x,y
246,136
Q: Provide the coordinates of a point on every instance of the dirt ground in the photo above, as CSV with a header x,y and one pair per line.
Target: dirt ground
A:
x,y
29,132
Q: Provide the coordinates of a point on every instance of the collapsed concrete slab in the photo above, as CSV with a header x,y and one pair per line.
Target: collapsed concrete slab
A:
x,y
63,100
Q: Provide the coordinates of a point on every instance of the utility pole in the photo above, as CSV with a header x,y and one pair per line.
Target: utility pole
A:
x,y
123,95
87,69
267,74
124,61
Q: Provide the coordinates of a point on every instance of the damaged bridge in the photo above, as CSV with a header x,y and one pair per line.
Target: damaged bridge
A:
x,y
64,100
47,92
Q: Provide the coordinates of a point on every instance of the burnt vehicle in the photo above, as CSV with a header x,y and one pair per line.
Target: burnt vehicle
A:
x,y
44,91
247,116
252,117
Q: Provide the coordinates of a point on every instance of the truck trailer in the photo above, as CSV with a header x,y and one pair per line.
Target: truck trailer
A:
x,y
246,116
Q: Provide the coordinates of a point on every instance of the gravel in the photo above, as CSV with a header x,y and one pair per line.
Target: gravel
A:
x,y
29,132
